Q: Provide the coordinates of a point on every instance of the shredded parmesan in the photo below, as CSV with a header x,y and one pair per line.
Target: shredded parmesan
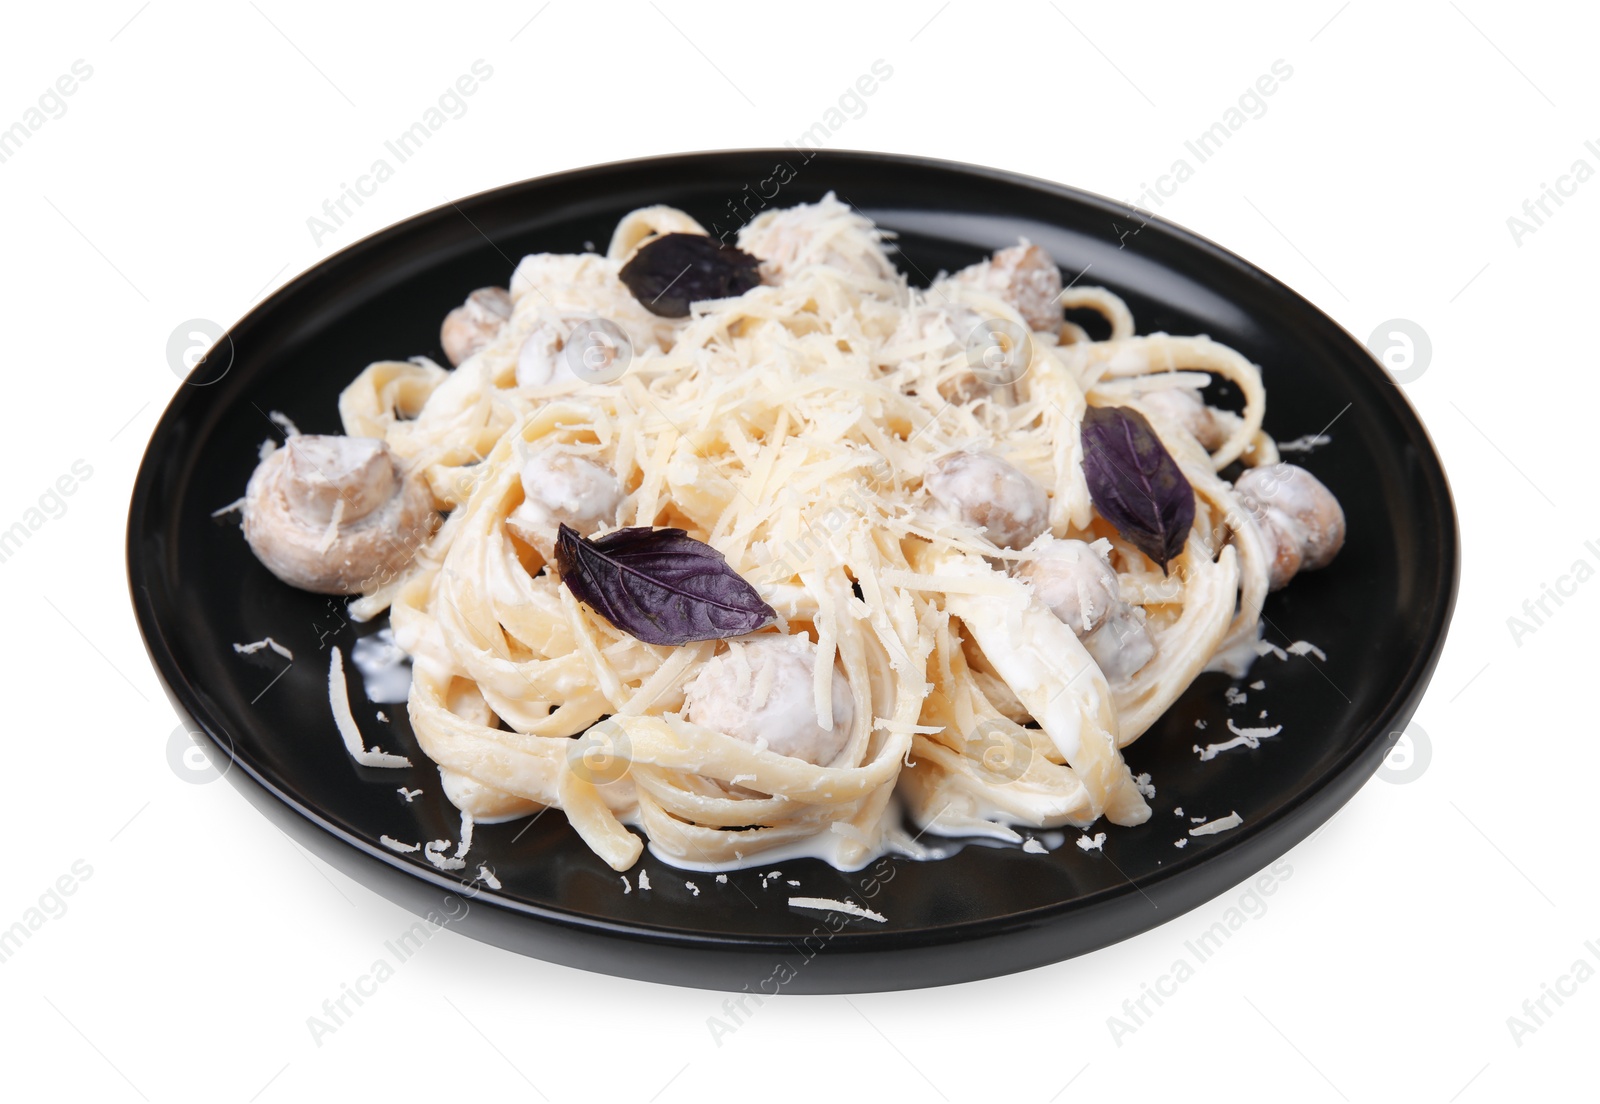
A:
x,y
265,642
1242,737
281,420
339,701
1305,647
1222,824
827,904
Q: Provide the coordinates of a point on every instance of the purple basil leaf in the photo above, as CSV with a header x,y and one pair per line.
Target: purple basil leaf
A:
x,y
669,273
659,585
1135,483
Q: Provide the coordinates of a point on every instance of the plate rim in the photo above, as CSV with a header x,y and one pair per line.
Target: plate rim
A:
x,y
1356,763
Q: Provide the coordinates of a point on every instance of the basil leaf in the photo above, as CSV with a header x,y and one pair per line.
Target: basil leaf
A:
x,y
669,273
659,585
1135,483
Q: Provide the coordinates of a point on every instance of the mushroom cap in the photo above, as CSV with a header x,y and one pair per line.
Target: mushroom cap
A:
x,y
539,360
1075,580
1185,406
1024,276
547,353
1284,539
985,491
1122,645
474,323
761,689
563,488
1303,512
335,515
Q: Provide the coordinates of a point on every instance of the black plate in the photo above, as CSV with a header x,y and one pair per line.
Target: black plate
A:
x,y
1380,612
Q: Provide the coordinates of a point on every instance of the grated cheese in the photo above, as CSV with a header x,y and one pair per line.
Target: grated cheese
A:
x,y
344,720
1211,828
264,642
1243,737
826,904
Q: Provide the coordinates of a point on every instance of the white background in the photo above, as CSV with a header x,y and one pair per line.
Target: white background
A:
x,y
177,184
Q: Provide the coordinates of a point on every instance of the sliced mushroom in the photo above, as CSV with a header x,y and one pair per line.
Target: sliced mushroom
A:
x,y
762,690
989,494
475,323
1299,517
1076,581
559,488
540,361
1186,407
1122,645
335,515
1025,277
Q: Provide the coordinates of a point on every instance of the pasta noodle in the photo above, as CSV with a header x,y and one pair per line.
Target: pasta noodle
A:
x,y
791,429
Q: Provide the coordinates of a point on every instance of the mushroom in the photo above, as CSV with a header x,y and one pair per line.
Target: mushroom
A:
x,y
1185,407
1075,580
1122,645
561,487
1078,583
335,515
539,361
990,494
586,348
762,691
1025,277
475,323
1300,519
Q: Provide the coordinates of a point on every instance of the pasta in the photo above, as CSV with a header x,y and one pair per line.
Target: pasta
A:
x,y
797,428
